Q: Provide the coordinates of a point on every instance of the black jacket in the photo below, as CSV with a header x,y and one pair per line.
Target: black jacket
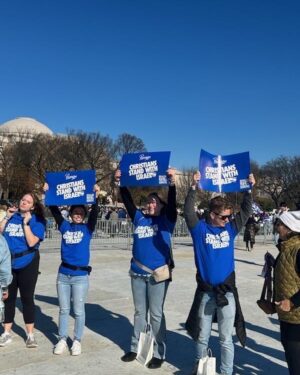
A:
x,y
192,324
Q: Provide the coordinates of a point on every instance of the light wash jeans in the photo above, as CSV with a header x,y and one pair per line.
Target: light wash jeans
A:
x,y
149,297
73,288
226,316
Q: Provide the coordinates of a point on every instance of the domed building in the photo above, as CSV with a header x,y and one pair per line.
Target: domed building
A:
x,y
22,129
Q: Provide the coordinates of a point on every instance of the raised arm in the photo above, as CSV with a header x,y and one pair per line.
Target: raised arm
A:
x,y
190,215
30,237
171,211
246,207
93,216
54,209
126,196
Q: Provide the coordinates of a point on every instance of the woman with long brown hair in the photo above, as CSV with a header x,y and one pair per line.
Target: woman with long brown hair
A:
x,y
23,229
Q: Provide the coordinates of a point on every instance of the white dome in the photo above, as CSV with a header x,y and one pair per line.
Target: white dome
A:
x,y
25,125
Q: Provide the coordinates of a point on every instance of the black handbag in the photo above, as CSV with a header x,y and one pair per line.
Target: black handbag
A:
x,y
266,301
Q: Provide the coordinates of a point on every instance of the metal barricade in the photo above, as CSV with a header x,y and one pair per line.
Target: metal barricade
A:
x,y
110,233
107,233
264,235
118,233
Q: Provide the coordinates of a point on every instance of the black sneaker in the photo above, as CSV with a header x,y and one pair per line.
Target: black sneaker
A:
x,y
155,363
129,357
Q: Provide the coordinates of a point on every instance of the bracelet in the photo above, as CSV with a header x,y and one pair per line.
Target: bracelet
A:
x,y
6,217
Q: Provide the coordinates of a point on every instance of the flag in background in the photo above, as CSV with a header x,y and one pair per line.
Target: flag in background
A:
x,y
256,209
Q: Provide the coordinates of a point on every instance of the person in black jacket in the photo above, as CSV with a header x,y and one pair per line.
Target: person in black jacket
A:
x,y
251,228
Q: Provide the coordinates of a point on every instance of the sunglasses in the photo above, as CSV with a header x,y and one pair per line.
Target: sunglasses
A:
x,y
223,217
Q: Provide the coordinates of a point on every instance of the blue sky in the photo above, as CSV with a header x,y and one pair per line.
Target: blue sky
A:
x,y
222,75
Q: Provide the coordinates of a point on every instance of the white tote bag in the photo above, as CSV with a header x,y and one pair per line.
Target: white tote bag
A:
x,y
145,346
207,364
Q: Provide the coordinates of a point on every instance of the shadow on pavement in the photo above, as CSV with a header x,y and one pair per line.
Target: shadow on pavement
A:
x,y
106,323
116,327
248,361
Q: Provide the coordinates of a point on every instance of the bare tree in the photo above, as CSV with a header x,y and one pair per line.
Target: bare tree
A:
x,y
183,183
14,179
127,143
292,180
280,179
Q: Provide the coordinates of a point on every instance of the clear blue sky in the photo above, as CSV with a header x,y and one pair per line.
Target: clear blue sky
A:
x,y
222,75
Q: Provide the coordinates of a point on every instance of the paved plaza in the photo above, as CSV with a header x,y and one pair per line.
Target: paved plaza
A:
x,y
109,313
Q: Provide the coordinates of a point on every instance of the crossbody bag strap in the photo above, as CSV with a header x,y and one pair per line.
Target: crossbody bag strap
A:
x,y
19,255
77,268
267,290
171,263
144,268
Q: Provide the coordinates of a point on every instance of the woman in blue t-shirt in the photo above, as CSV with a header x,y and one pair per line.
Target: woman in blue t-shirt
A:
x,y
73,274
151,250
24,229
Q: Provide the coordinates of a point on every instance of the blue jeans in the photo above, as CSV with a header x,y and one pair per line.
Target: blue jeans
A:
x,y
73,288
149,297
226,316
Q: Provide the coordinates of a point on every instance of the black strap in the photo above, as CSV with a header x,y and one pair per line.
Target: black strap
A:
x,y
77,268
19,255
267,290
171,261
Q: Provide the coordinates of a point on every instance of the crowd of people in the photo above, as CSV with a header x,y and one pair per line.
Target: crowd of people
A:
x,y
23,228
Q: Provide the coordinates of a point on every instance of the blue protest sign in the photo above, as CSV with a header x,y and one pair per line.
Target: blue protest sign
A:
x,y
69,188
145,169
228,173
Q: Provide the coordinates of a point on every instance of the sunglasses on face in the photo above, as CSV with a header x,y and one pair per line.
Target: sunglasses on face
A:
x,y
223,217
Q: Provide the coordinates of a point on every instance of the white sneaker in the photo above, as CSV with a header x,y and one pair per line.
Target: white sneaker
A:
x,y
5,339
76,348
31,342
60,347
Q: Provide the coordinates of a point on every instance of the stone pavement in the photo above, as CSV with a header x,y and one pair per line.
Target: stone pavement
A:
x,y
109,313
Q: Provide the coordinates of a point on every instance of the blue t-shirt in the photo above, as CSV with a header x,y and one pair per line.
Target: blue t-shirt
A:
x,y
75,247
214,251
151,241
14,235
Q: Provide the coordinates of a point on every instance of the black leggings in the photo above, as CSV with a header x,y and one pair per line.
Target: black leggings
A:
x,y
25,280
290,339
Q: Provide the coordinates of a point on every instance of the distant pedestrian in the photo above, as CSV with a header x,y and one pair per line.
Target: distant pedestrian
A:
x,y
251,228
